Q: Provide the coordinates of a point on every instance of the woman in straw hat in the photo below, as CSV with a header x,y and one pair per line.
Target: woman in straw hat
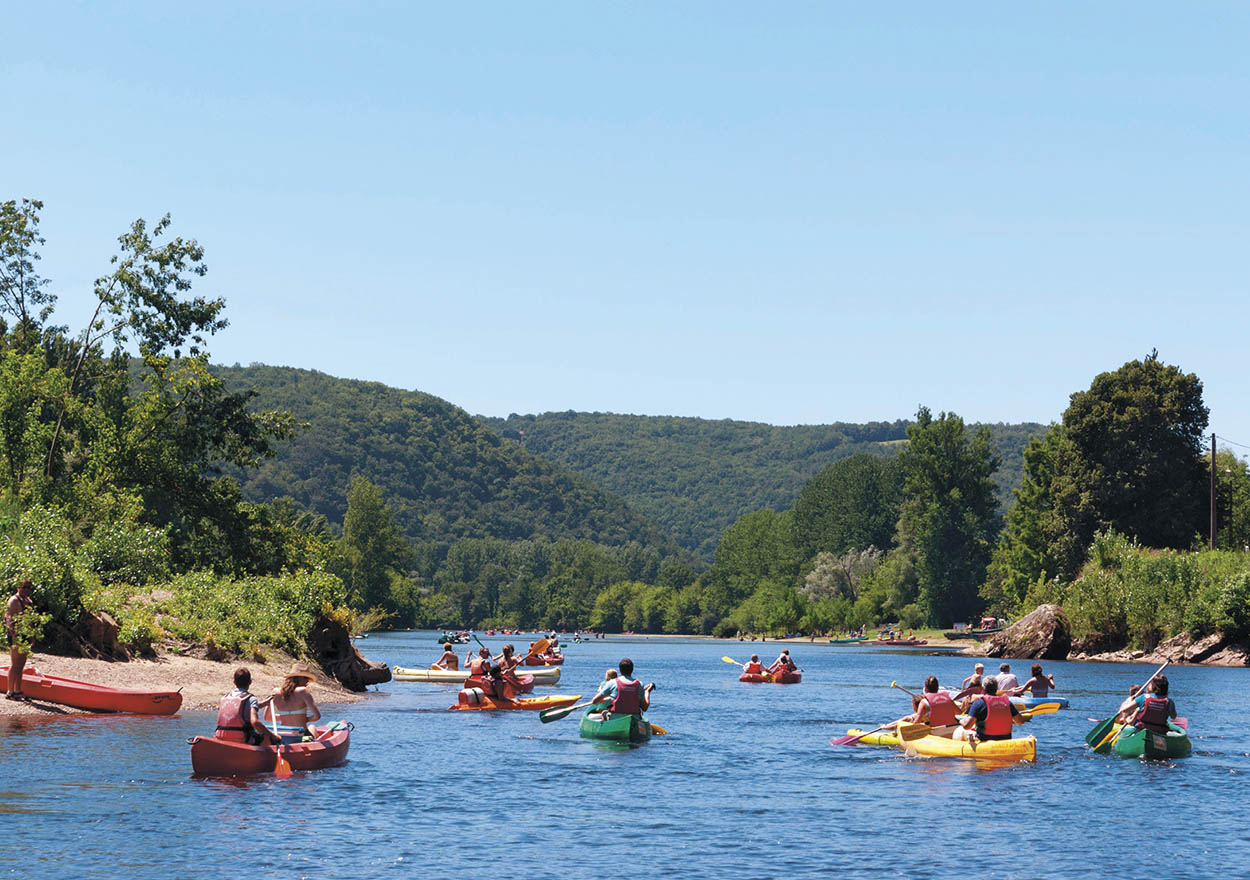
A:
x,y
293,705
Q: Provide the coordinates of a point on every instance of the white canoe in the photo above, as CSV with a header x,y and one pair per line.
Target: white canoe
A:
x,y
542,674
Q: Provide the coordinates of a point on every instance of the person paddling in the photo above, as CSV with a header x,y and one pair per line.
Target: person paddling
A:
x,y
783,662
1007,681
1155,707
449,660
753,666
625,694
993,714
479,665
1039,684
294,706
239,715
935,707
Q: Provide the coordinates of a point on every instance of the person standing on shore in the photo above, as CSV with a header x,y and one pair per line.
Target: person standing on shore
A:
x,y
19,603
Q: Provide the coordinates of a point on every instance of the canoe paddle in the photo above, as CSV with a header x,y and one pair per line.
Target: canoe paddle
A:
x,y
546,716
282,767
906,733
851,739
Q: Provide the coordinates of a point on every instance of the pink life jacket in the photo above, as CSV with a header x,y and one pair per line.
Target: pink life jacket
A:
x,y
627,701
1153,715
997,715
230,723
941,709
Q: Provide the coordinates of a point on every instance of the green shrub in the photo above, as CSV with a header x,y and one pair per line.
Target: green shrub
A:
x,y
127,552
41,549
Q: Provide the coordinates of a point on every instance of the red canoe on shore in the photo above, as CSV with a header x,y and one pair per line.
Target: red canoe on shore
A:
x,y
96,697
218,757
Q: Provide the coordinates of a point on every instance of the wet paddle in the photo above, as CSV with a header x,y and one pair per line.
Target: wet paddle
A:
x,y
282,767
851,739
546,716
656,730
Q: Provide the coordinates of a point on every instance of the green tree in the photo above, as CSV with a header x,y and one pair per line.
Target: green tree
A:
x,y
851,505
759,547
375,550
22,291
1136,456
949,513
1127,458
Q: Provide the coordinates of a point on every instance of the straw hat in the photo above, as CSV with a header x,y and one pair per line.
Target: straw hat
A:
x,y
302,670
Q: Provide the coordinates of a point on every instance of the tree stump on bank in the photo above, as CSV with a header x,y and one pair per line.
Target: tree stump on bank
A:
x,y
333,649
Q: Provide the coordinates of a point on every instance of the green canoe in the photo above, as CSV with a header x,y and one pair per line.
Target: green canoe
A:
x,y
1157,746
855,641
618,728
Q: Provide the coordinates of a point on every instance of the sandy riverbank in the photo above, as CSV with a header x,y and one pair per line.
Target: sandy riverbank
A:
x,y
203,682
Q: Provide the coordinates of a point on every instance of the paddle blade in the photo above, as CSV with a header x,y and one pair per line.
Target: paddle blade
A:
x,y
283,767
1101,729
847,740
546,716
731,660
910,732
1043,709
656,730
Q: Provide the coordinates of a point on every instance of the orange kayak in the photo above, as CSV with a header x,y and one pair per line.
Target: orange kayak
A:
x,y
475,699
96,697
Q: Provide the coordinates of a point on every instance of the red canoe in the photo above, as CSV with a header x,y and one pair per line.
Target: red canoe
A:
x,y
217,757
96,697
784,677
544,660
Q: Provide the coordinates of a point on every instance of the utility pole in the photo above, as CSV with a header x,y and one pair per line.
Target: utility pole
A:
x,y
1212,490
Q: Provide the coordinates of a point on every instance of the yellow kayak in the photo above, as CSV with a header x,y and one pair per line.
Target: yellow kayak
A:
x,y
1023,749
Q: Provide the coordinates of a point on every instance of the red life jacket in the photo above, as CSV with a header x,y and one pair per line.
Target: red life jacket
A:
x,y
754,668
997,715
1153,715
475,666
231,726
941,709
627,702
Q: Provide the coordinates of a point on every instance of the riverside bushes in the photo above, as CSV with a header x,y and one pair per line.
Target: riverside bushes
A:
x,y
1135,596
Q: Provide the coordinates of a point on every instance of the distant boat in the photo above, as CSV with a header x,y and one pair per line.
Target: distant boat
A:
x,y
975,634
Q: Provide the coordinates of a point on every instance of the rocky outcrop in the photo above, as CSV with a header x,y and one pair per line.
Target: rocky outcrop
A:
x,y
332,647
1044,634
1216,649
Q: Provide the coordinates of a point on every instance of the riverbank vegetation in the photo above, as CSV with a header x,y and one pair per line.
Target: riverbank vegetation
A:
x,y
137,482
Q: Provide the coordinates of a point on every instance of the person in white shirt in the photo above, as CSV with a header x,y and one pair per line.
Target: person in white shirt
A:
x,y
1006,680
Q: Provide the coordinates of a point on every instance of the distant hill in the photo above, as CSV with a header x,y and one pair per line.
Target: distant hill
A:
x,y
444,474
697,476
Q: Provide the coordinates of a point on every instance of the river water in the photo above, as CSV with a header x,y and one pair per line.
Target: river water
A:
x,y
745,785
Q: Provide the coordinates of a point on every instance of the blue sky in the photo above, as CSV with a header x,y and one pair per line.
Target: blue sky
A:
x,y
790,213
